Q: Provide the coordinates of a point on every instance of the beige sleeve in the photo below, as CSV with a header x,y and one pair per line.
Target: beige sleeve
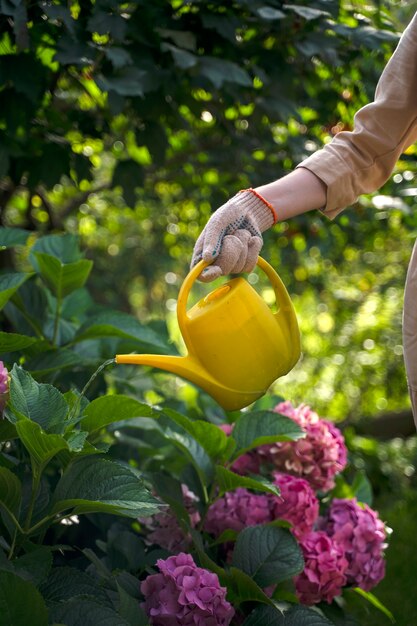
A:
x,y
362,160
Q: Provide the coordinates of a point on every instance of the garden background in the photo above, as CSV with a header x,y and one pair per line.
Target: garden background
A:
x,y
126,124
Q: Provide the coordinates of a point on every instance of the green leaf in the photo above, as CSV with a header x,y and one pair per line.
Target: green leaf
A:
x,y
308,13
242,588
10,237
268,554
269,13
220,71
11,342
63,278
256,428
76,440
122,325
65,583
118,56
372,599
125,550
35,565
182,59
97,484
41,446
362,488
53,360
115,408
130,610
228,481
9,283
40,402
10,491
178,429
64,247
21,603
295,616
129,81
86,612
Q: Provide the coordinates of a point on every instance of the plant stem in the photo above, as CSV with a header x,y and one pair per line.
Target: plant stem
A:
x,y
76,407
36,478
57,316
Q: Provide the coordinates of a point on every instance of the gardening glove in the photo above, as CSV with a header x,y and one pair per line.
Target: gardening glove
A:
x,y
233,235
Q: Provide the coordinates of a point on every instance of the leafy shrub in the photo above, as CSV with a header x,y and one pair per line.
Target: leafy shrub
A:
x,y
90,473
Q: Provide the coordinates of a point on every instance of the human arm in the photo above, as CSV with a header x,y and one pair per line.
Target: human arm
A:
x,y
332,178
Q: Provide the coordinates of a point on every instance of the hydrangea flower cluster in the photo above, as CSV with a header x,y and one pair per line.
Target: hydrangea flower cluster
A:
x,y
318,457
183,594
358,529
325,568
236,510
163,528
4,385
297,503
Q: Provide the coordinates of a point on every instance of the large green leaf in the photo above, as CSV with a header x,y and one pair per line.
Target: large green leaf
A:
x,y
64,247
41,403
86,612
92,484
243,588
253,429
9,283
111,409
63,278
268,554
220,71
228,481
65,583
10,237
41,446
11,342
214,441
178,429
34,565
10,491
295,616
21,603
122,325
53,360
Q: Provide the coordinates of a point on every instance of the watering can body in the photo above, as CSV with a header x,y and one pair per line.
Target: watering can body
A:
x,y
237,347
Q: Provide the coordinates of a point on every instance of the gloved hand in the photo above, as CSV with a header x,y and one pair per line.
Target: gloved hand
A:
x,y
233,235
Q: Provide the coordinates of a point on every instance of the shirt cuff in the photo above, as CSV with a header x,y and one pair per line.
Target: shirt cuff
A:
x,y
336,175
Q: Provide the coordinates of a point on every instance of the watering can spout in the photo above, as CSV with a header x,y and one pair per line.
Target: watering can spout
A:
x,y
184,366
188,367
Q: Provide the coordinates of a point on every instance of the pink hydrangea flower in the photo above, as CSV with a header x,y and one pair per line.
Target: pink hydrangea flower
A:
x,y
297,503
324,573
248,463
236,510
184,594
163,528
318,457
4,385
361,533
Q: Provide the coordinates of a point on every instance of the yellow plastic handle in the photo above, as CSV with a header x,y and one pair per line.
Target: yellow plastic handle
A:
x,y
281,294
183,297
285,305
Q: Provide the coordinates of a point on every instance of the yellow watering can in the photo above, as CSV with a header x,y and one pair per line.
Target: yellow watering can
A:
x,y
236,345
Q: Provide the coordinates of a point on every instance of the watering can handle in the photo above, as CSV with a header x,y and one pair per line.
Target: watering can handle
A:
x,y
281,295
285,305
